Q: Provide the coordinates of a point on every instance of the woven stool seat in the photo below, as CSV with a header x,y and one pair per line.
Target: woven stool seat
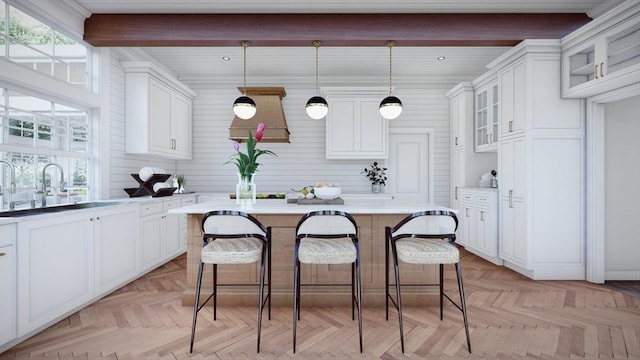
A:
x,y
326,251
244,250
427,251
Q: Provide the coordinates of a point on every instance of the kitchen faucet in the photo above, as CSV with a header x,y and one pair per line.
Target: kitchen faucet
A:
x,y
12,185
44,184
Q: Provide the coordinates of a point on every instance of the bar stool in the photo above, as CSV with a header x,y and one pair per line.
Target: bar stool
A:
x,y
327,237
425,237
233,237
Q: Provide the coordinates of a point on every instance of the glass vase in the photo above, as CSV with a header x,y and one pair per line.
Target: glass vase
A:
x,y
377,188
245,191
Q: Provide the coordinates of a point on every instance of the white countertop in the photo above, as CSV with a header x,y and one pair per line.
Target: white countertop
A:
x,y
280,206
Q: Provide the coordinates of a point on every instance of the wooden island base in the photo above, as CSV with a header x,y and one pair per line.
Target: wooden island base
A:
x,y
371,229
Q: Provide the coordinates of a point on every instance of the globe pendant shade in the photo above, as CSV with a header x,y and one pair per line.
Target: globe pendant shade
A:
x,y
317,107
390,107
244,107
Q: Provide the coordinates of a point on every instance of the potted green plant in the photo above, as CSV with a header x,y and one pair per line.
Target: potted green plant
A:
x,y
377,176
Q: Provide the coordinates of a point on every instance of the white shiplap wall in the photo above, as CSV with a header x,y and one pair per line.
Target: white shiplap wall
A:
x,y
302,161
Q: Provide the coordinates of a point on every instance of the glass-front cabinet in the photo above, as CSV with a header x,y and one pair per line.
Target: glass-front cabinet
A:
x,y
486,114
603,55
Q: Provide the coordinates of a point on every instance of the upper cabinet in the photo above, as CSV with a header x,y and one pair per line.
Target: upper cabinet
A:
x,y
604,54
158,112
511,88
486,112
355,128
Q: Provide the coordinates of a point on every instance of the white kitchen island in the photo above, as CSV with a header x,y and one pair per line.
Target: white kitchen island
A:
x,y
371,215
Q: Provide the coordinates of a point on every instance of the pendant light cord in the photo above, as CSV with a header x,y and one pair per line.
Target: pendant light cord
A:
x,y
245,44
390,45
316,44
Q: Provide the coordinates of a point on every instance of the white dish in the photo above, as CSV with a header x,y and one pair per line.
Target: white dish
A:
x,y
328,192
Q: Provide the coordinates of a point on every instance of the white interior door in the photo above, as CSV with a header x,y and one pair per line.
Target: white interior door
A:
x,y
410,164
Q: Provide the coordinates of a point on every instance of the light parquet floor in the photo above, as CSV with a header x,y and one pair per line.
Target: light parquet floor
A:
x,y
510,316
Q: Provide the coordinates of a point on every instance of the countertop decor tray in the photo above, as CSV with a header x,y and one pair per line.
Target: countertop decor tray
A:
x,y
316,201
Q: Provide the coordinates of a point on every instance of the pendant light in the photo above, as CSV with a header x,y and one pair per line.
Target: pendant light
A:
x,y
244,107
391,106
317,106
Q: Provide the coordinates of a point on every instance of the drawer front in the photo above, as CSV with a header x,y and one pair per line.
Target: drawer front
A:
x,y
171,204
150,208
188,201
483,199
466,195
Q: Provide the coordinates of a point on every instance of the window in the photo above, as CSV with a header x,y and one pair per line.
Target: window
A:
x,y
37,46
35,129
36,132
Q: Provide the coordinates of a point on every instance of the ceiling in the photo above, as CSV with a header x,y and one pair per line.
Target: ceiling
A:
x,y
417,63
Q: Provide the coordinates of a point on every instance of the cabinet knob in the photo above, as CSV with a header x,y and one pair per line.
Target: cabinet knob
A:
x,y
3,254
511,199
456,140
511,126
595,71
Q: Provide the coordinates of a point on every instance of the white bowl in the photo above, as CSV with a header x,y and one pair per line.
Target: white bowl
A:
x,y
328,192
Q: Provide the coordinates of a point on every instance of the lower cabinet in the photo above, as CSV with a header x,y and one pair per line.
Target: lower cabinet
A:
x,y
116,232
55,268
7,284
478,221
162,235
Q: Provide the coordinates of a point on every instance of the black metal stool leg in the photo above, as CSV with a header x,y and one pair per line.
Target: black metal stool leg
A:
x,y
215,290
296,293
269,273
441,290
261,297
463,303
353,291
359,299
398,299
196,302
386,278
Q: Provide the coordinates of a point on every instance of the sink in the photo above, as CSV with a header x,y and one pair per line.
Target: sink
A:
x,y
56,208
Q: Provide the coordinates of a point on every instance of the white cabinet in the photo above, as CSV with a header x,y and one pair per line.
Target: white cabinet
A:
x,y
70,259
158,111
540,165
466,165
512,161
511,88
355,129
604,54
55,268
479,221
486,113
7,284
162,235
116,234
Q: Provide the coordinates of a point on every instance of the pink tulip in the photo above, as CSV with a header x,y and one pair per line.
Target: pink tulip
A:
x,y
258,135
236,146
260,128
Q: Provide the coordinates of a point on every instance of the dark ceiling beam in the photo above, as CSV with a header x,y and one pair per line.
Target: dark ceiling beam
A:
x,y
121,30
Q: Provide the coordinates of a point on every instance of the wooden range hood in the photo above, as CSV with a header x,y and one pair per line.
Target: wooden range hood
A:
x,y
269,111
